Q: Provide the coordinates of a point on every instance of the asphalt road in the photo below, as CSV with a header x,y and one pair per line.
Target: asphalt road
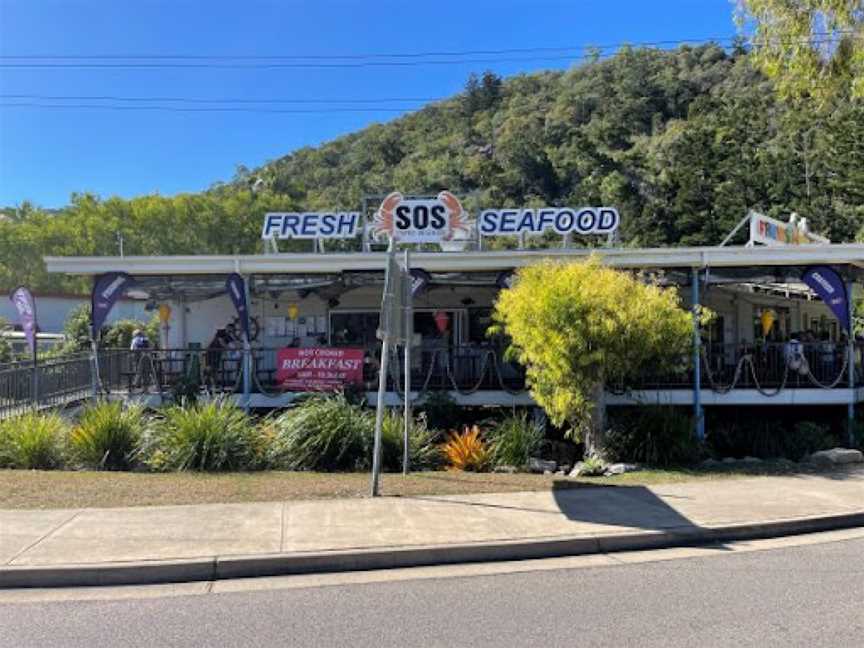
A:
x,y
801,596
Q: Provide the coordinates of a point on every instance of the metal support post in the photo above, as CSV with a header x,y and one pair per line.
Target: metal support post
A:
x,y
247,353
386,335
35,386
850,350
697,360
96,379
409,330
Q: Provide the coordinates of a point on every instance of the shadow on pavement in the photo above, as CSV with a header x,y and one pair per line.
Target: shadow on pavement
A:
x,y
635,507
624,506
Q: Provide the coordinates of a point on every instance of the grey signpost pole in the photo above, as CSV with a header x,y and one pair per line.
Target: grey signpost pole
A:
x,y
409,334
386,335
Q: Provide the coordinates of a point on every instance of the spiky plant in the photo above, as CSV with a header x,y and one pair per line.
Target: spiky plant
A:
x,y
32,441
107,436
467,451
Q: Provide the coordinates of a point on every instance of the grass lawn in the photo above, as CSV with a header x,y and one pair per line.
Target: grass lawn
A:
x,y
36,489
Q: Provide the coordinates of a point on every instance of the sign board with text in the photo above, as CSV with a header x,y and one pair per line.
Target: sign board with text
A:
x,y
318,368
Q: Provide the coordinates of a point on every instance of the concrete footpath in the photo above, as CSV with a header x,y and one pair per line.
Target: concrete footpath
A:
x,y
55,548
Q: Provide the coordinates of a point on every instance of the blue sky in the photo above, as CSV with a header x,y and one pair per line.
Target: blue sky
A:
x,y
46,154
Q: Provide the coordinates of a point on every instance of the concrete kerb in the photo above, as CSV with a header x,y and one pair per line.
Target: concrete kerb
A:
x,y
228,567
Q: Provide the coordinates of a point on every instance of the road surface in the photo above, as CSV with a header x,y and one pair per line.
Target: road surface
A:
x,y
806,595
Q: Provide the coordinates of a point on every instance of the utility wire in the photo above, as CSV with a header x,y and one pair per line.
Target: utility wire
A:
x,y
341,57
409,55
304,59
205,110
225,100
219,62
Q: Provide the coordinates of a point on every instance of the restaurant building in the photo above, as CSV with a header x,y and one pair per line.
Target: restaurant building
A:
x,y
320,301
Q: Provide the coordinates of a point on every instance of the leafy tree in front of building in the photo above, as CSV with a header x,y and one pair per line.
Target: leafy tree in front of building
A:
x,y
579,326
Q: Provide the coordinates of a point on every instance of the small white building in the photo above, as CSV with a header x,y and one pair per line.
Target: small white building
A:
x,y
53,309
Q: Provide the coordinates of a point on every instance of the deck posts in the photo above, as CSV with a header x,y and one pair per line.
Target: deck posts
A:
x,y
697,360
850,350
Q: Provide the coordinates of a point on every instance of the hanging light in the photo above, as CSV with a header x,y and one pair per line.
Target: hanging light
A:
x,y
442,321
164,313
767,320
293,311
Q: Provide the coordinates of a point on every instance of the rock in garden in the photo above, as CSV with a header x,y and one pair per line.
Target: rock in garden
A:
x,y
711,463
510,470
620,468
536,465
729,460
836,457
751,460
577,469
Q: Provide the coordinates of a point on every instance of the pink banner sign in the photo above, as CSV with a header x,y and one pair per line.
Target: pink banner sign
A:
x,y
318,368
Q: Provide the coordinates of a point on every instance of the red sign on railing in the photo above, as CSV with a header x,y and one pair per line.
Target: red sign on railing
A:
x,y
318,368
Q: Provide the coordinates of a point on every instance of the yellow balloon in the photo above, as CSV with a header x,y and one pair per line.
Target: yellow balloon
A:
x,y
293,311
164,313
767,319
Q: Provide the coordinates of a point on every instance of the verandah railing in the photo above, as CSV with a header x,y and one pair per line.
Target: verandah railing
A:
x,y
57,381
464,369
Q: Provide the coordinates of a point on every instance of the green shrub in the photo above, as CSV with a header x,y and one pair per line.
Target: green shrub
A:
x,y
658,436
329,432
424,453
514,440
442,412
32,441
208,437
107,436
769,439
807,437
323,433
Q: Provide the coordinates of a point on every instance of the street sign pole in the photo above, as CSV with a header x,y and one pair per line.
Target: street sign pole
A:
x,y
392,285
409,334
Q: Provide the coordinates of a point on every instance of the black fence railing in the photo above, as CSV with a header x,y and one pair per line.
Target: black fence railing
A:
x,y
766,367
465,369
57,381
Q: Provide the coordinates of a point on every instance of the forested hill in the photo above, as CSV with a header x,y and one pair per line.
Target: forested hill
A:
x,y
682,142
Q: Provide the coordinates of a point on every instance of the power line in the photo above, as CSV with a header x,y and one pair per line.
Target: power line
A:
x,y
202,100
345,57
219,62
276,66
304,59
204,110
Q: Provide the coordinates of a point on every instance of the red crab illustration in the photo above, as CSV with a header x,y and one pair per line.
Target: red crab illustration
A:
x,y
458,219
383,221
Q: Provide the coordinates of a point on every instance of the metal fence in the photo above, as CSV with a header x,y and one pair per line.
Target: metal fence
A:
x,y
464,369
57,381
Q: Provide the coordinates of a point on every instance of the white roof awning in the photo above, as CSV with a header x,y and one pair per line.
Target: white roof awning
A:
x,y
851,254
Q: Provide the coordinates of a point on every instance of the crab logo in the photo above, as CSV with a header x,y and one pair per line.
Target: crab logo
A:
x,y
421,220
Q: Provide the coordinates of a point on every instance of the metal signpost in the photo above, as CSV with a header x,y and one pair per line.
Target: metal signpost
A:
x,y
390,332
407,286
